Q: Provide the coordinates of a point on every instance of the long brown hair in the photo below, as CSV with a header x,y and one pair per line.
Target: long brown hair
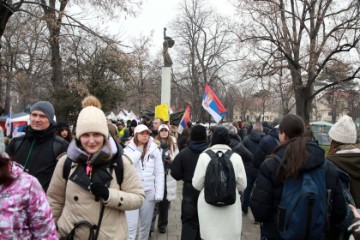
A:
x,y
136,141
334,147
5,172
169,141
295,154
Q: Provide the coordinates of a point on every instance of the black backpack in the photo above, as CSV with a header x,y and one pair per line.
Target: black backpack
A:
x,y
220,182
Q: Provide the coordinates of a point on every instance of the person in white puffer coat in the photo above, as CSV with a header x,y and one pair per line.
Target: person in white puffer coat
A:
x,y
148,162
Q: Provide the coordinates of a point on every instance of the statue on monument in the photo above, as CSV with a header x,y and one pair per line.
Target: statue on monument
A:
x,y
168,43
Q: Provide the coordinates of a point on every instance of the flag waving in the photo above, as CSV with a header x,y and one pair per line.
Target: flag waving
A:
x,y
185,119
8,122
212,104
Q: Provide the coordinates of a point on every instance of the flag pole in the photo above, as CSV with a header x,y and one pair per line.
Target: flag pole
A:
x,y
209,120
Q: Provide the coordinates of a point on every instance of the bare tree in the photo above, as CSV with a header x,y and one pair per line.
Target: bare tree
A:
x,y
54,16
308,34
143,88
204,44
24,61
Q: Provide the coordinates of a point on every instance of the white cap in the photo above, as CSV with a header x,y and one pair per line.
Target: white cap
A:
x,y
140,128
162,126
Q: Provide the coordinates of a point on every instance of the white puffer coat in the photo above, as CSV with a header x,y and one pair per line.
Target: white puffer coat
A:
x,y
151,170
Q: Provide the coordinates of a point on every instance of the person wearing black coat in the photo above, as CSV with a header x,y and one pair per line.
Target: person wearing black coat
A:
x,y
237,146
251,142
182,168
266,146
38,149
297,155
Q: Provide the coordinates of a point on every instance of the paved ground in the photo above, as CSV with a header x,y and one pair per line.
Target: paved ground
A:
x,y
250,230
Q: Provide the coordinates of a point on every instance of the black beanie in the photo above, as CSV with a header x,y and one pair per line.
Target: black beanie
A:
x,y
133,123
220,136
62,125
45,107
198,133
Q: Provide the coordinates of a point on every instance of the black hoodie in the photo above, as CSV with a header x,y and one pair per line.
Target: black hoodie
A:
x,y
183,166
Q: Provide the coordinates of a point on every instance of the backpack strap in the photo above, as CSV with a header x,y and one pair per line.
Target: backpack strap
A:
x,y
228,153
118,167
58,144
212,154
17,142
67,168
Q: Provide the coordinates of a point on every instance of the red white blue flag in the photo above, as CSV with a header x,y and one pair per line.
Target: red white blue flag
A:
x,y
8,123
185,119
212,104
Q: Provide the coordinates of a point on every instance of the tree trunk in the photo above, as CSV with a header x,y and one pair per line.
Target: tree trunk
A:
x,y
5,13
54,26
303,103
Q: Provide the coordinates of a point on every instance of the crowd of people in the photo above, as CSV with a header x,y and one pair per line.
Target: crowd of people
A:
x,y
111,180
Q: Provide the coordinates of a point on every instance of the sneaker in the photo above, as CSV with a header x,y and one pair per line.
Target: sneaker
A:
x,y
162,230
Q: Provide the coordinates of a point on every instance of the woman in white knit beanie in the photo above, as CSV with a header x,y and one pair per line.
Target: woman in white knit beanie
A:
x,y
90,190
345,153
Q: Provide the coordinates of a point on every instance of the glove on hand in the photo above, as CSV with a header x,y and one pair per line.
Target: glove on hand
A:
x,y
99,190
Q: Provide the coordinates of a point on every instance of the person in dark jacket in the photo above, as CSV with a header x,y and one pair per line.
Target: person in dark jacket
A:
x,y
38,149
266,146
184,139
238,147
251,142
345,153
182,168
297,155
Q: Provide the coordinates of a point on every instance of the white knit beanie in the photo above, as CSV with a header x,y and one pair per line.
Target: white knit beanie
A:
x,y
344,130
91,119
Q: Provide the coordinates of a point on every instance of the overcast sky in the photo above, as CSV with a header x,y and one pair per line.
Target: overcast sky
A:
x,y
155,15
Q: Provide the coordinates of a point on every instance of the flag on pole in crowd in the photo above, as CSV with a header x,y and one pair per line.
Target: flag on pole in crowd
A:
x,y
212,104
185,119
8,122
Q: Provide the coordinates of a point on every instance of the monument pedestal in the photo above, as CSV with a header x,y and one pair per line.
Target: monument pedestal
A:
x,y
166,86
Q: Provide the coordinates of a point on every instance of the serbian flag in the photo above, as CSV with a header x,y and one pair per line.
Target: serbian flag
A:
x,y
185,119
8,122
212,104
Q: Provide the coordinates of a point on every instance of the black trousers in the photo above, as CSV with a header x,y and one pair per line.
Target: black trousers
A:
x,y
189,214
161,209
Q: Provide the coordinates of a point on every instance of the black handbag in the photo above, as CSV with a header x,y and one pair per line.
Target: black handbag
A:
x,y
91,228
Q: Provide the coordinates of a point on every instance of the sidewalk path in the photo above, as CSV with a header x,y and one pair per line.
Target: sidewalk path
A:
x,y
250,230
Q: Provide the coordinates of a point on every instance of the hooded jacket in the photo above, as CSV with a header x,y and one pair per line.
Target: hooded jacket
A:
x,y
25,211
183,166
267,190
247,157
266,146
71,202
348,160
36,153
